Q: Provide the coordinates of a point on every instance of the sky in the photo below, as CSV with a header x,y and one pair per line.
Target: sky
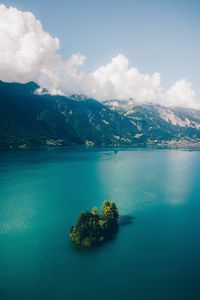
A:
x,y
148,50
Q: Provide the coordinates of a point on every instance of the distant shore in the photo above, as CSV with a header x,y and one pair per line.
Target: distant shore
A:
x,y
173,144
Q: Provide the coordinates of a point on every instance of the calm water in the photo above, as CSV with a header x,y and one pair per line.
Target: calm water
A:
x,y
155,257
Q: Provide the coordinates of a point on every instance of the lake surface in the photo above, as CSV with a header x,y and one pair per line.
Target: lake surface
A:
x,y
156,256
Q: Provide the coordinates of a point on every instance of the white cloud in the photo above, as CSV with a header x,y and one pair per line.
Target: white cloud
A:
x,y
117,80
182,94
28,53
26,50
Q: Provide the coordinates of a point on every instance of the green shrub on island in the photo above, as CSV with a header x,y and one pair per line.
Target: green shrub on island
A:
x,y
92,228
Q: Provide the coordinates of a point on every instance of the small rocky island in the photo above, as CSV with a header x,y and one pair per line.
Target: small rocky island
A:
x,y
93,228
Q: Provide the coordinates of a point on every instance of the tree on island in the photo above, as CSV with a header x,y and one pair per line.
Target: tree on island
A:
x,y
92,228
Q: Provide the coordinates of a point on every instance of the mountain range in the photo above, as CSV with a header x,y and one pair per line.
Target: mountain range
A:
x,y
29,119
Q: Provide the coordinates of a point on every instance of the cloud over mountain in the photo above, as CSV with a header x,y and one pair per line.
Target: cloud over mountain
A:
x,y
182,94
26,50
28,53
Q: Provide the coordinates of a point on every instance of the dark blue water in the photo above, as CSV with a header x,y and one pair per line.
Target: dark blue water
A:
x,y
156,256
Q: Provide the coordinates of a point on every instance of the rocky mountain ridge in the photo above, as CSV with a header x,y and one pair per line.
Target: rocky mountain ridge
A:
x,y
31,120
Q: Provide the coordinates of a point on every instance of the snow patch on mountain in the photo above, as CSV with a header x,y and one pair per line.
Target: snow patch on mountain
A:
x,y
136,111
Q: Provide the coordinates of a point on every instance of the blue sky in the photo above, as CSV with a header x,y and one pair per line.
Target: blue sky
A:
x,y
161,36
155,36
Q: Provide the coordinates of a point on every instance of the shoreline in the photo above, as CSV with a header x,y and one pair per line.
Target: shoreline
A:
x,y
171,145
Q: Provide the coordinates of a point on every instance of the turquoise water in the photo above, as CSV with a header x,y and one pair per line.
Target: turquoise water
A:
x,y
157,256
